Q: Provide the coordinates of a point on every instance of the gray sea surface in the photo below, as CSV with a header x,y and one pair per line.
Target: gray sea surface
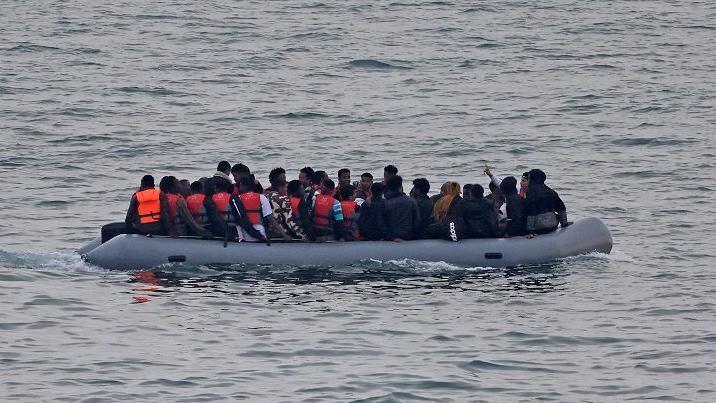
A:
x,y
615,100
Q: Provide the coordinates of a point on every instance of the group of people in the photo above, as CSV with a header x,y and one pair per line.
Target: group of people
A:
x,y
233,205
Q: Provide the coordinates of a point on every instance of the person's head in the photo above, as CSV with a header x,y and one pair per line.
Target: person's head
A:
x,y
247,184
280,187
305,176
443,188
344,176
239,171
318,177
184,187
277,175
147,181
376,190
388,171
440,210
197,188
168,184
366,180
394,183
421,186
476,192
537,177
492,187
508,186
295,188
525,180
327,187
348,192
222,185
466,191
224,167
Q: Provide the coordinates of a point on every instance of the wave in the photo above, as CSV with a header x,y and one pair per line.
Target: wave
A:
x,y
375,64
51,261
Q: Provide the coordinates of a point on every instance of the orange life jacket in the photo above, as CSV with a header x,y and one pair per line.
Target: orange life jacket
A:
x,y
221,200
295,202
348,207
149,205
252,205
195,204
173,209
322,212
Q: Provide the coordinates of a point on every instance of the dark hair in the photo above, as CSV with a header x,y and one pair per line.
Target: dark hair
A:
x,y
466,187
367,175
240,169
168,184
508,185
537,177
294,188
394,183
390,170
422,185
376,189
342,171
223,166
492,186
477,191
147,181
197,187
329,184
248,183
318,177
275,173
308,171
222,185
347,191
525,175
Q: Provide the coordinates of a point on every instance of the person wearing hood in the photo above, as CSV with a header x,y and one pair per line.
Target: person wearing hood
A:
x,y
544,208
521,189
421,188
401,212
479,214
514,210
223,170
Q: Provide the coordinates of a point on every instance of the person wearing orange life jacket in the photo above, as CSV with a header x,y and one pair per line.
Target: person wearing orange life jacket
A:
x,y
169,185
300,210
327,214
350,210
148,211
344,179
221,196
193,212
254,213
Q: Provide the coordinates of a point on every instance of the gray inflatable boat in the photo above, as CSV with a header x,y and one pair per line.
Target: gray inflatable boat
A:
x,y
139,252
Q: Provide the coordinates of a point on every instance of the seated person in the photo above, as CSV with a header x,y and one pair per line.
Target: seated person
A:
x,y
401,214
371,223
148,211
544,208
350,210
479,215
515,219
251,213
327,213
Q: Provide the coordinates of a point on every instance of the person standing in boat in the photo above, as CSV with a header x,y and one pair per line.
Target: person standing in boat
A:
x,y
401,214
327,214
421,188
148,211
544,208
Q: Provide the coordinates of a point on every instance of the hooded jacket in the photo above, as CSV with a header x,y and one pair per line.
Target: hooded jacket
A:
x,y
544,209
401,216
480,218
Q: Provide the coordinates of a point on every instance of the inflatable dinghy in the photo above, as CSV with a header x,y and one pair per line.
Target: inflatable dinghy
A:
x,y
139,252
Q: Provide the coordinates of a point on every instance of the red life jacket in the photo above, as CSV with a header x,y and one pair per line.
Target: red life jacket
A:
x,y
148,205
221,200
195,204
348,208
252,205
173,209
295,202
322,212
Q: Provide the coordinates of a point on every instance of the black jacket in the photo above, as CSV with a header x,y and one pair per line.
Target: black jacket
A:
x,y
401,216
371,223
515,206
480,218
544,209
425,207
453,227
